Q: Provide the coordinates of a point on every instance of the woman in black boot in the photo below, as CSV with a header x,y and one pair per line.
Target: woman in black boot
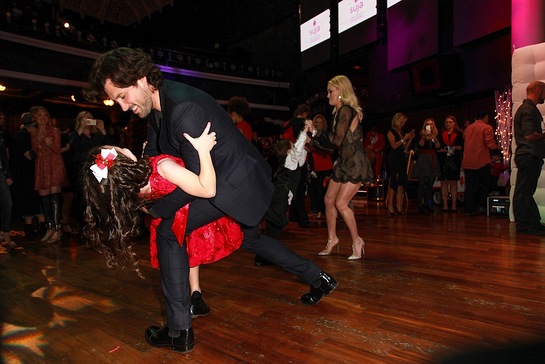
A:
x,y
50,171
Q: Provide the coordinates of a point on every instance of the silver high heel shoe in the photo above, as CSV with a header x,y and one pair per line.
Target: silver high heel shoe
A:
x,y
331,243
47,235
357,248
55,237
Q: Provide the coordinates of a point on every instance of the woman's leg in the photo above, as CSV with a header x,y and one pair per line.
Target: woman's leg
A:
x,y
399,198
51,206
45,201
454,193
420,192
390,197
344,195
198,306
391,194
29,227
346,192
56,209
444,193
330,209
194,283
426,192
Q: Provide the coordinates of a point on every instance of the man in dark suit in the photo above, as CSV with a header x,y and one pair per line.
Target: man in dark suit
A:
x,y
244,189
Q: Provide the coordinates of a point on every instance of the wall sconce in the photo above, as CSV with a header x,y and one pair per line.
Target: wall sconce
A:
x,y
108,102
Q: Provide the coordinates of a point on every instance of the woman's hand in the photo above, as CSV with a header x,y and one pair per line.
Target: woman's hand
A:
x,y
409,136
205,142
309,126
100,126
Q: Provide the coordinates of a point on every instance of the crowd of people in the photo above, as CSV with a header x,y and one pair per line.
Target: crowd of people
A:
x,y
48,194
437,159
40,168
205,183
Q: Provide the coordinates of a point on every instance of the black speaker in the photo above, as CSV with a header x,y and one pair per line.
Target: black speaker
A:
x,y
497,205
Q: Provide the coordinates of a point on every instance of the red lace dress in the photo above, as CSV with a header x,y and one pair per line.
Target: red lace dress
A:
x,y
206,244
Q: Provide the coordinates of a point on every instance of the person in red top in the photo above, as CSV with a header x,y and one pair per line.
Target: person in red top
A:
x,y
479,140
321,167
450,158
238,108
50,173
497,167
374,144
133,183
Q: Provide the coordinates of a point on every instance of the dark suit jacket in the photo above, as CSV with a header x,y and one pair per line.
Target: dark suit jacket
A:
x,y
244,188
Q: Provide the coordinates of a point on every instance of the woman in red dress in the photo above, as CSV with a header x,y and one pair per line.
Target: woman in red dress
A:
x,y
50,174
117,186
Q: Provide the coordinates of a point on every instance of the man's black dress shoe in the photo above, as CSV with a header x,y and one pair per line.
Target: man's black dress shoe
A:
x,y
323,286
158,337
259,261
198,306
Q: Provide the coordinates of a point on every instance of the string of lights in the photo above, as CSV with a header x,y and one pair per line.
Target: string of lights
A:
x,y
504,106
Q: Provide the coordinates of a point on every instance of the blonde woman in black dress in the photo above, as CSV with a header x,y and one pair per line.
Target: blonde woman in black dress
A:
x,y
397,162
352,166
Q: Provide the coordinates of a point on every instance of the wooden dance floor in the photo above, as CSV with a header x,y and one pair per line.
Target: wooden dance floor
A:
x,y
437,288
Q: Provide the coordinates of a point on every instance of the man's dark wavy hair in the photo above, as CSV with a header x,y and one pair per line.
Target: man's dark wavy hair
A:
x,y
112,208
123,66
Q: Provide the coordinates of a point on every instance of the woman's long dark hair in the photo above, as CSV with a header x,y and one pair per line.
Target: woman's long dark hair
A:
x,y
112,208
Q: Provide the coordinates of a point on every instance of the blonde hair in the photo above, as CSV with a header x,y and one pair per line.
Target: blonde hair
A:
x,y
434,130
81,116
346,92
398,119
34,110
319,116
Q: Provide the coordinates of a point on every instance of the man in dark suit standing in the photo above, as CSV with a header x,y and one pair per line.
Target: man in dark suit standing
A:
x,y
244,189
